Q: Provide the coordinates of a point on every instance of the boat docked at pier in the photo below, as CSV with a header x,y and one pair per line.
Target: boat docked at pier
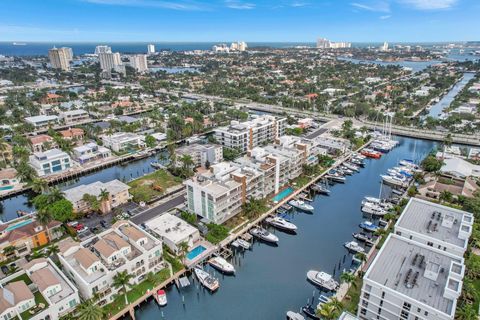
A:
x,y
263,234
242,244
294,316
281,223
206,279
222,265
318,188
301,205
373,209
370,153
161,298
310,311
360,236
354,247
369,226
394,180
322,279
335,176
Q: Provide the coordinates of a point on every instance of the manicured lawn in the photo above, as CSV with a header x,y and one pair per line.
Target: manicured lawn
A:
x,y
216,233
23,278
38,300
350,302
152,185
177,265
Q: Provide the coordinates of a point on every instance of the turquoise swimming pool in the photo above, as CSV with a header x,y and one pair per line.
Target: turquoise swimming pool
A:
x,y
6,188
18,225
192,254
283,194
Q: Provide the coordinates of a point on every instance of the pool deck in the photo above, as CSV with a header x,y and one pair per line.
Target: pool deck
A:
x,y
209,249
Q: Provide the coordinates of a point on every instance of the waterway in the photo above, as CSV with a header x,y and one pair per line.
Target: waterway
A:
x,y
414,65
272,280
437,109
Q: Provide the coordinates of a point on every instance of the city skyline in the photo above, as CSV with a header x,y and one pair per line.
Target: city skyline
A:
x,y
254,21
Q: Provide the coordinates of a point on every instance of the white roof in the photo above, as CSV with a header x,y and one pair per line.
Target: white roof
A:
x,y
172,228
41,118
113,187
460,168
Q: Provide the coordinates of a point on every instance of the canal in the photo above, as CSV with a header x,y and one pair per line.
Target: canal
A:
x,y
271,280
437,109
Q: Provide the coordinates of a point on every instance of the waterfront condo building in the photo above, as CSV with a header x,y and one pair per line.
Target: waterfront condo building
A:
x,y
117,194
74,116
250,134
103,49
52,161
151,49
202,154
90,152
123,141
138,62
93,263
109,61
418,273
60,58
42,122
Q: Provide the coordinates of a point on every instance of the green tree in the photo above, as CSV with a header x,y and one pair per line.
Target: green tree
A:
x,y
122,281
183,249
348,278
39,185
431,164
55,195
61,210
466,312
328,311
90,311
91,201
44,217
230,154
150,141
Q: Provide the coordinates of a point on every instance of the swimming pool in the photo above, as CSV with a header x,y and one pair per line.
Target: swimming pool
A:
x,y
195,252
18,225
6,188
283,194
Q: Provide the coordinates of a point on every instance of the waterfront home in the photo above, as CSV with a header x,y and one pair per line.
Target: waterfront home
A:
x,y
434,186
123,141
74,116
8,179
41,142
201,154
117,195
59,292
93,263
435,225
90,152
173,231
332,144
249,134
23,234
408,280
42,122
15,299
460,168
52,161
50,98
73,134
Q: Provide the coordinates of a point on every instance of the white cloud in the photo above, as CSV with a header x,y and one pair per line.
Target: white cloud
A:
x,y
298,4
385,17
429,4
239,5
376,6
178,5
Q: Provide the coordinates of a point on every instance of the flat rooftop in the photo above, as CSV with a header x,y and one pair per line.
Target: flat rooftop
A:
x,y
435,221
401,261
171,227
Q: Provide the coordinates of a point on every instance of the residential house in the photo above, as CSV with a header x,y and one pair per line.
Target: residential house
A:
x,y
201,154
8,179
42,122
41,142
123,141
73,134
52,161
90,152
74,116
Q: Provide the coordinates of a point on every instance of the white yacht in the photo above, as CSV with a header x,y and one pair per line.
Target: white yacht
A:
x,y
241,243
299,204
161,298
394,180
206,279
374,209
281,223
294,316
222,265
264,235
322,279
354,246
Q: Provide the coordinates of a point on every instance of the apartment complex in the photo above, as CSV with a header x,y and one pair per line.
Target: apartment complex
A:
x,y
123,141
60,58
117,194
103,49
323,43
202,154
74,116
42,122
250,134
151,49
50,162
109,61
138,62
93,264
418,273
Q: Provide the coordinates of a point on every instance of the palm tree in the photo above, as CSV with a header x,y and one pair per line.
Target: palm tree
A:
x,y
104,198
336,303
39,185
151,278
52,251
44,218
89,311
55,195
348,278
466,312
8,250
447,142
327,311
187,161
183,248
122,280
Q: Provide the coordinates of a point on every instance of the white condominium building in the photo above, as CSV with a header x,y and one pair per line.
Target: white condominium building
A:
x,y
323,43
123,141
139,62
109,61
94,263
103,49
247,135
60,58
151,49
201,154
42,122
74,116
50,162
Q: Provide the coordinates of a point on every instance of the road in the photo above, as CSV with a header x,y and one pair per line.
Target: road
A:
x,y
158,210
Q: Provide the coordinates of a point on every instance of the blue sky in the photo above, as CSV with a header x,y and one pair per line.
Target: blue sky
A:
x,y
248,20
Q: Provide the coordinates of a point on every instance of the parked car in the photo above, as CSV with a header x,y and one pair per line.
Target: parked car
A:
x,y
104,223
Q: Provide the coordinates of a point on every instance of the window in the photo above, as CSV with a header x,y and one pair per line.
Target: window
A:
x,y
407,306
426,313
363,311
430,244
404,314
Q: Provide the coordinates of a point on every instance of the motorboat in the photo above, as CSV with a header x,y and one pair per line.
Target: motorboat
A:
x,y
322,279
222,265
301,205
318,188
394,180
161,298
362,237
157,165
354,247
206,279
351,166
241,243
264,235
344,170
294,316
375,209
369,226
336,177
408,163
286,207
357,162
324,299
370,153
281,223
310,311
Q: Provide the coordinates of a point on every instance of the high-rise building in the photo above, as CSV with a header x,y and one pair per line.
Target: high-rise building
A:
x,y
151,49
109,61
103,49
68,53
60,58
139,62
323,43
384,47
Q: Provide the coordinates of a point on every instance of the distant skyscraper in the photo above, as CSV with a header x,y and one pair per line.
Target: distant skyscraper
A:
x,y
60,58
139,62
323,43
384,47
103,49
151,49
109,61
68,53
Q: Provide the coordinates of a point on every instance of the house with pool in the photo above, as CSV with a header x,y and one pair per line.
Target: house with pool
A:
x,y
9,180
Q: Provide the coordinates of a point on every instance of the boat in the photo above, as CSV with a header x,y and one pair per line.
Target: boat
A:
x,y
345,171
351,166
357,162
156,165
322,279
394,180
241,243
310,311
19,44
318,188
294,316
206,279
370,153
362,237
324,299
301,205
368,226
286,207
354,247
161,298
222,265
264,235
281,224
335,176
374,209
